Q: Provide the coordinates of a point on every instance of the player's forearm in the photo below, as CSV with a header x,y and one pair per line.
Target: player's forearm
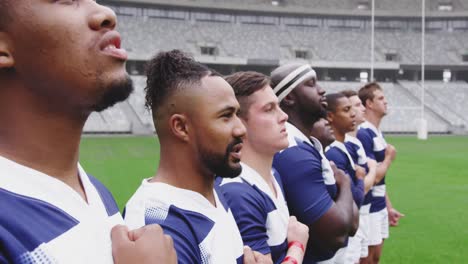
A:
x,y
370,180
295,252
333,228
387,200
344,202
382,169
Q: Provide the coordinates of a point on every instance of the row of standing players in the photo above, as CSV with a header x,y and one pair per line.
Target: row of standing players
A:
x,y
60,214
293,152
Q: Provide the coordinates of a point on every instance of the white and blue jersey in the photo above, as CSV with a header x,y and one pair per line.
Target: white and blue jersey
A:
x,y
338,153
309,185
358,154
43,220
374,145
262,216
202,232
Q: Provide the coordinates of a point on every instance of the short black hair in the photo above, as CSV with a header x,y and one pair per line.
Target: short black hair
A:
x,y
349,93
245,84
170,71
332,100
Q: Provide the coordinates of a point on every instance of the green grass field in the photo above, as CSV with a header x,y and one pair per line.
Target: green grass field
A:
x,y
428,183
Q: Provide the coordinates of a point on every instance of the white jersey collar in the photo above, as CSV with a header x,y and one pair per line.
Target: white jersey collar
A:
x,y
369,125
28,182
342,147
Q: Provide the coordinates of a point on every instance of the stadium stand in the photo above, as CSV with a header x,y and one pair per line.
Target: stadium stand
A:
x,y
137,102
439,100
329,34
333,42
112,120
403,6
403,111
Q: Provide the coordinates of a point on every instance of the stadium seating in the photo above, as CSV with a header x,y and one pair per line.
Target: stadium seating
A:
x,y
453,95
403,108
443,109
256,37
137,102
446,99
406,6
144,36
112,120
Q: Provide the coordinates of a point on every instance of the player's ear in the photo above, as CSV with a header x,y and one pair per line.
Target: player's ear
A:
x,y
179,126
329,116
289,99
6,57
369,103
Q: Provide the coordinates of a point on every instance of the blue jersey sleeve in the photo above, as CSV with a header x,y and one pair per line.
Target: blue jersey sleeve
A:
x,y
179,224
303,183
358,192
340,160
367,142
183,244
250,214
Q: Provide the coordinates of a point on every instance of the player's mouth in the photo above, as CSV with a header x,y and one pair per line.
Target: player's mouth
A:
x,y
323,102
236,152
284,132
110,45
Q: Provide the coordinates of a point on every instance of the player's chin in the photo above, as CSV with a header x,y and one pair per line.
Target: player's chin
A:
x,y
111,66
234,163
283,143
118,71
114,76
234,170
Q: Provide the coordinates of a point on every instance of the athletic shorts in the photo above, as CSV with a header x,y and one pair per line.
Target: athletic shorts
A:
x,y
378,227
338,258
358,244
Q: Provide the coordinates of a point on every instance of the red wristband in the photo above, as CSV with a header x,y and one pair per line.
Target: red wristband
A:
x,y
297,244
289,258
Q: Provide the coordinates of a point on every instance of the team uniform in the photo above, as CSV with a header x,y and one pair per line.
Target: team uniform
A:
x,y
338,153
309,185
262,216
45,221
374,145
202,233
358,244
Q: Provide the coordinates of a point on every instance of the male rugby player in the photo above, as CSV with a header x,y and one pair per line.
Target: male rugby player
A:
x,y
312,193
375,146
358,245
60,61
256,197
195,113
